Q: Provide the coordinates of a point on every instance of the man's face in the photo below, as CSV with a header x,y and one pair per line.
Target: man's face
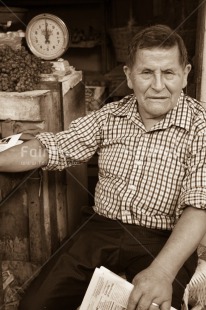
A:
x,y
157,78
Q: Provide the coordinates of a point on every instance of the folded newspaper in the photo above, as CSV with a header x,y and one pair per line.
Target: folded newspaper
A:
x,y
107,291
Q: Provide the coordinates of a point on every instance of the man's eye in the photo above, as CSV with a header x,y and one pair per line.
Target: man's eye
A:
x,y
147,72
169,74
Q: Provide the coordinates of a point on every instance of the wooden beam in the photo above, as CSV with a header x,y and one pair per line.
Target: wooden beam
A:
x,y
200,66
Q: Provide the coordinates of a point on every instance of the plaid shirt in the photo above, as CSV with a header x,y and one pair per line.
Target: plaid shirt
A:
x,y
145,177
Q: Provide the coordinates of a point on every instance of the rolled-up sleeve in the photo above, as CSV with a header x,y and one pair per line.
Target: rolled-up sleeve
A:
x,y
194,185
73,146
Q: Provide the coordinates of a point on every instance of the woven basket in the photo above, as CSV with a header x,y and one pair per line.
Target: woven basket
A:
x,y
121,37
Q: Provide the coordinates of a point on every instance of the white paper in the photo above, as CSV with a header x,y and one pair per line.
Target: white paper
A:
x,y
107,291
10,141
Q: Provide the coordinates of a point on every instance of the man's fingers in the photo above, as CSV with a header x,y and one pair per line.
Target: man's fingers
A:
x,y
138,302
166,305
141,302
133,300
146,304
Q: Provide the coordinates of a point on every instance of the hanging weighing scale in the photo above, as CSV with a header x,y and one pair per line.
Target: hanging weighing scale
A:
x,y
47,37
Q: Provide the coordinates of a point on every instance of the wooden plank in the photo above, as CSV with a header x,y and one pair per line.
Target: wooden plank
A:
x,y
61,205
51,109
46,223
67,104
2,306
200,71
51,112
24,106
73,104
77,187
54,239
34,212
14,234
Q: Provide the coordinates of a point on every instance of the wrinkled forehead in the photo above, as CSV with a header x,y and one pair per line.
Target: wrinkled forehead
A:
x,y
155,55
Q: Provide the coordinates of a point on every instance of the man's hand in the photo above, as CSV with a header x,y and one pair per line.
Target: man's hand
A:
x,y
151,286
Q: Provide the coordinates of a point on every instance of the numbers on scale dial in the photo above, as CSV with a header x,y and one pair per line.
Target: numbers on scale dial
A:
x,y
47,36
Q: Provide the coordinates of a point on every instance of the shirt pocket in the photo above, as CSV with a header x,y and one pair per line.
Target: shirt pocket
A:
x,y
166,162
115,158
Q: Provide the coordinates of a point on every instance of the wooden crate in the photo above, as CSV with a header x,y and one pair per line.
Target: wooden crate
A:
x,y
42,211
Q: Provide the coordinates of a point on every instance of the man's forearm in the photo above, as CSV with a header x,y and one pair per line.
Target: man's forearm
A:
x,y
26,156
183,241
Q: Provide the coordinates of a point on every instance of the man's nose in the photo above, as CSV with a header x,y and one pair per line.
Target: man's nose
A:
x,y
158,82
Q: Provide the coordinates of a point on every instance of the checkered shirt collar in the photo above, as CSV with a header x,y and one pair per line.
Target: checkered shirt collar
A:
x,y
180,115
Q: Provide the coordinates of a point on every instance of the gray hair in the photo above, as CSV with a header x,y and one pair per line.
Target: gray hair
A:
x,y
160,36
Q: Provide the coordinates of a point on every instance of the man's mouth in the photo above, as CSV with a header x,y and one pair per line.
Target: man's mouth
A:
x,y
158,98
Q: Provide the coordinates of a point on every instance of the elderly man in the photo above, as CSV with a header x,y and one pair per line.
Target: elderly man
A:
x,y
149,213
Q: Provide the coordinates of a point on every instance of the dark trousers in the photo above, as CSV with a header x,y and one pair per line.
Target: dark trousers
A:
x,y
63,281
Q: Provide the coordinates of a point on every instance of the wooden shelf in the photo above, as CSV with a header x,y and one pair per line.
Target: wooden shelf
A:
x,y
27,3
85,44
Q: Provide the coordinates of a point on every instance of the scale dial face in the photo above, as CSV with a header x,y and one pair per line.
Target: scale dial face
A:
x,y
47,36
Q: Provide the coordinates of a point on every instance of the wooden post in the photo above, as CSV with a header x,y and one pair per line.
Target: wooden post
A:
x,y
201,62
200,67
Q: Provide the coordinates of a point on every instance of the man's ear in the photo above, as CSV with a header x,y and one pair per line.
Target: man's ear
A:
x,y
187,70
127,72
